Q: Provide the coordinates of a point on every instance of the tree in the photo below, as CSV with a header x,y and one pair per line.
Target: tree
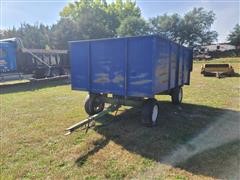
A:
x,y
83,19
169,26
120,10
91,18
123,10
194,28
234,36
133,26
97,19
9,33
33,36
65,30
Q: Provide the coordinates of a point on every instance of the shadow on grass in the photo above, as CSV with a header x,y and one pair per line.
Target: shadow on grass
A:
x,y
222,162
187,136
99,144
27,86
236,75
222,76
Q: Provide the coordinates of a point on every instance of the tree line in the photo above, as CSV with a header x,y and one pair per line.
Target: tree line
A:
x,y
92,19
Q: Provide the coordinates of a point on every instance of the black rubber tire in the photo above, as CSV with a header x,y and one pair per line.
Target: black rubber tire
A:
x,y
93,104
177,95
147,112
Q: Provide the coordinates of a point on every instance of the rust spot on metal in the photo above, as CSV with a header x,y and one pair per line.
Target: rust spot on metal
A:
x,y
141,82
102,78
118,79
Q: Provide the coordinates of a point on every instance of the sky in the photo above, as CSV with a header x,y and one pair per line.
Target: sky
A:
x,y
14,12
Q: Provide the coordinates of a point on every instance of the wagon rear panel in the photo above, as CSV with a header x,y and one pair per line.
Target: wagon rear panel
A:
x,y
161,65
172,64
188,60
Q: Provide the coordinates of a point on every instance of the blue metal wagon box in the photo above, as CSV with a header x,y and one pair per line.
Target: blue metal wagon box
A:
x,y
132,69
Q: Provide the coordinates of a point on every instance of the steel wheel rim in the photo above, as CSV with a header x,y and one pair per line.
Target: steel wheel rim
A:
x,y
180,95
155,113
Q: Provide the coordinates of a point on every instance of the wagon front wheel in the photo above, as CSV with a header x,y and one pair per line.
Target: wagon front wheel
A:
x,y
177,95
150,112
94,104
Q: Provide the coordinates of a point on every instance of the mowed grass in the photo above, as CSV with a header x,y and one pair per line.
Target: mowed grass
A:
x,y
33,145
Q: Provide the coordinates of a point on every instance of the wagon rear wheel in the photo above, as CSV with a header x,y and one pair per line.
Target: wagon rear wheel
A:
x,y
150,112
177,95
93,104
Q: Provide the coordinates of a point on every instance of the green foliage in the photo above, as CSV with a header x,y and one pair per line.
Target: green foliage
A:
x,y
65,29
169,26
8,33
33,36
196,27
118,8
123,10
97,19
234,36
93,19
192,29
133,26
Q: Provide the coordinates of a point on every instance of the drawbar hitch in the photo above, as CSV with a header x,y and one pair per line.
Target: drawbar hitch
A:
x,y
89,121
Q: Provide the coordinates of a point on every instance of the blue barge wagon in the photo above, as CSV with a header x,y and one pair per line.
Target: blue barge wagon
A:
x,y
130,71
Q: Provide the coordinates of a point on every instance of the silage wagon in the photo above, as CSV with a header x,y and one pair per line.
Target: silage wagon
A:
x,y
129,71
39,63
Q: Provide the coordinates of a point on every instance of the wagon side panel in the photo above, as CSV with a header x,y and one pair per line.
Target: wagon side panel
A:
x,y
187,65
80,69
140,67
108,66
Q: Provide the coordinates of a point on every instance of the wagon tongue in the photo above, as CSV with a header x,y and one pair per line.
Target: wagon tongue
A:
x,y
87,122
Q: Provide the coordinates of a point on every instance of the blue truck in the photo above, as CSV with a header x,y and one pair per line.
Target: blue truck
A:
x,y
130,71
7,56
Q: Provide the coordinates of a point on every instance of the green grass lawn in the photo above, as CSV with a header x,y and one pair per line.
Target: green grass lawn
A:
x,y
33,145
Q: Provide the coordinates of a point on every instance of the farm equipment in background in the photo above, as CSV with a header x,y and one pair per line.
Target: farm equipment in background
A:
x,y
39,63
218,70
